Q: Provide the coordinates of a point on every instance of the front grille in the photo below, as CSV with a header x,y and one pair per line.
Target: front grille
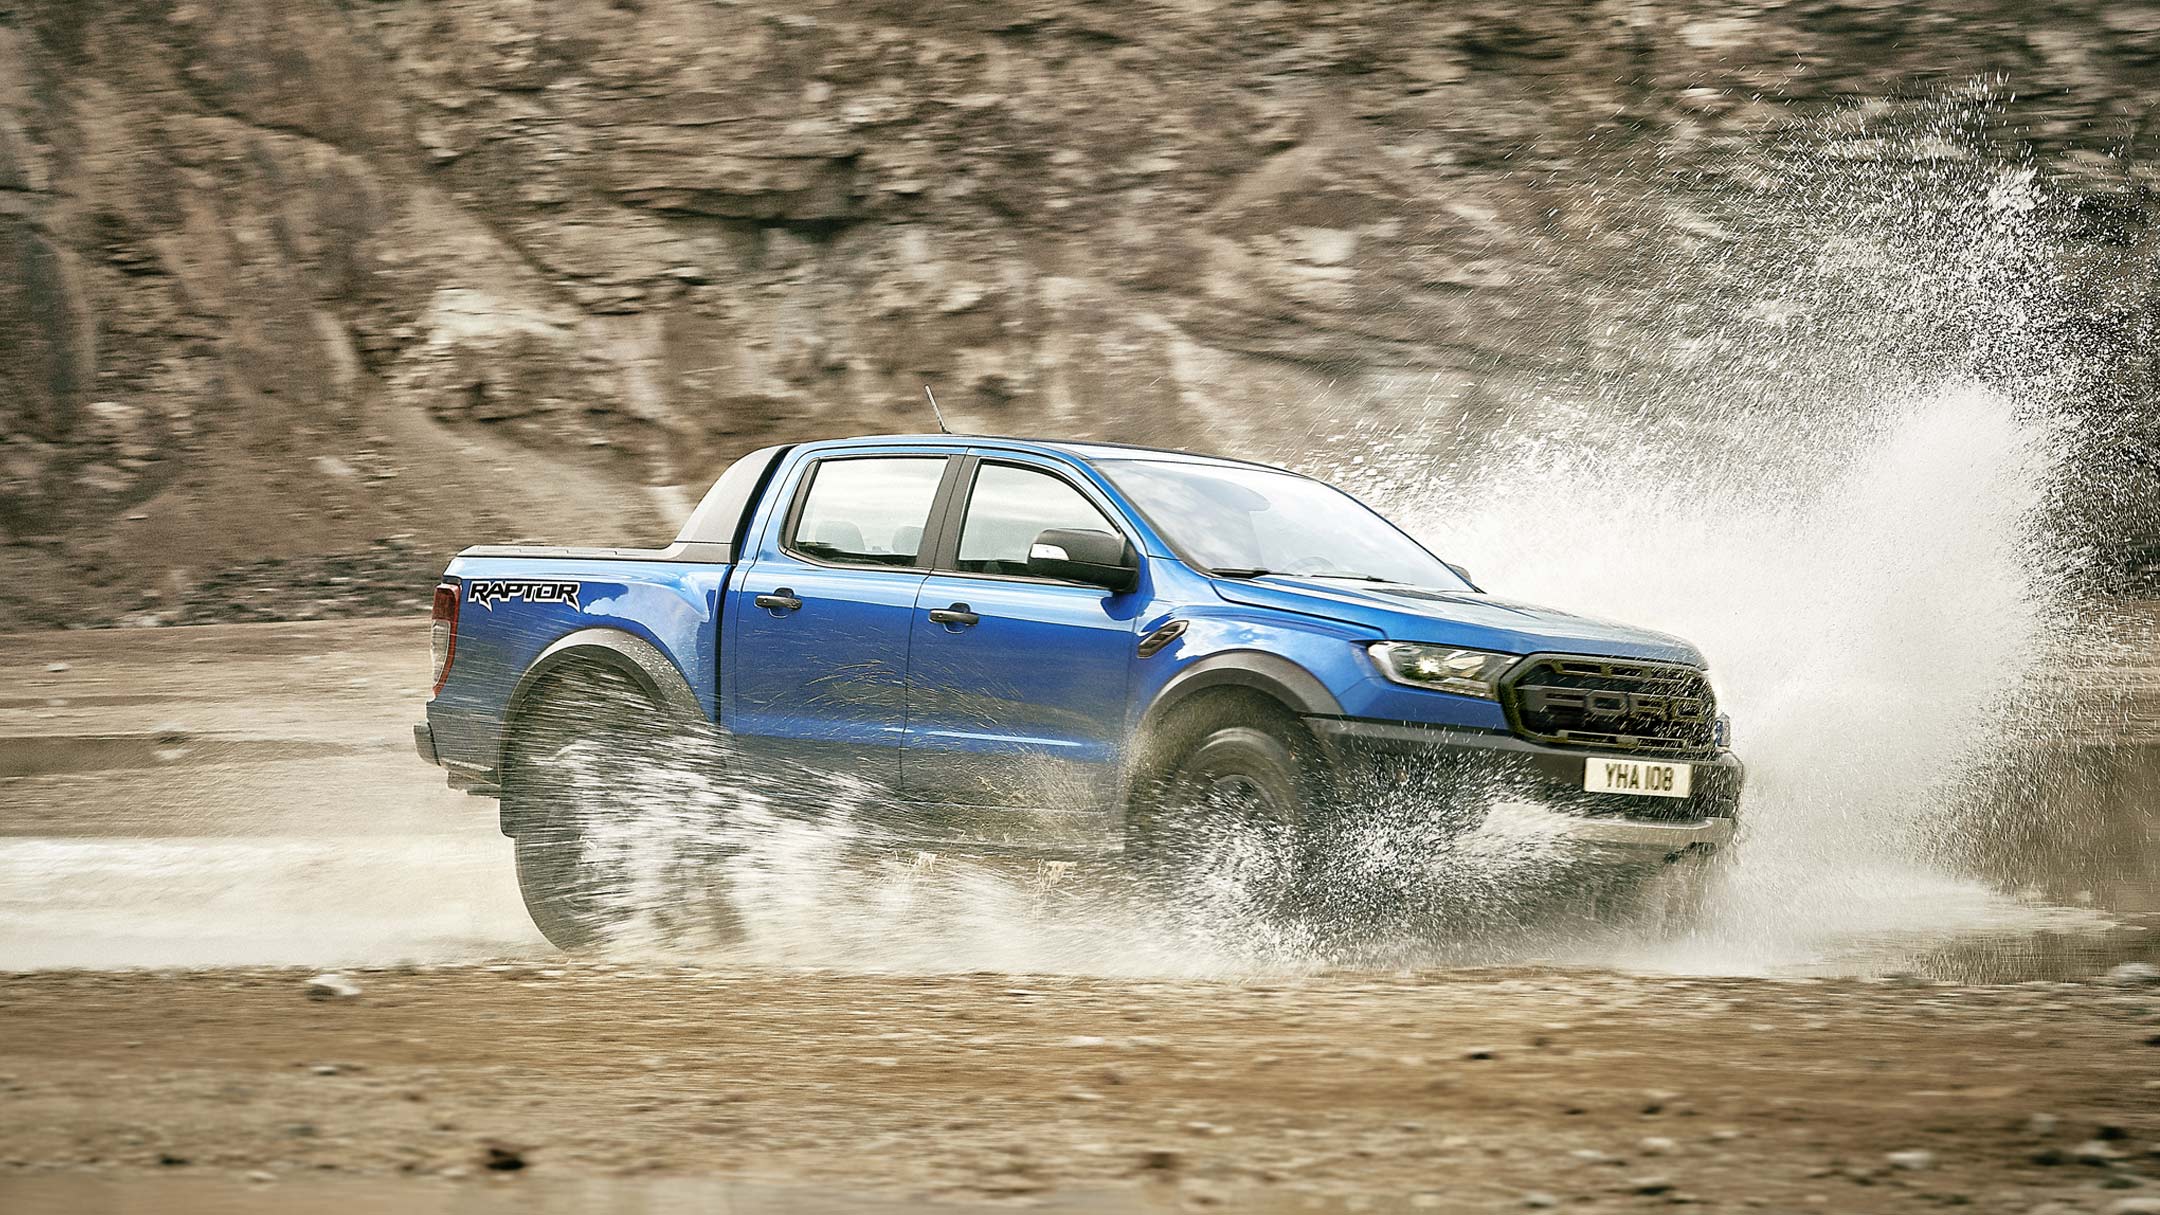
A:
x,y
1604,704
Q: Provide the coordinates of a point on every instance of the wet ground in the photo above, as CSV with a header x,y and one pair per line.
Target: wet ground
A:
x,y
236,793
214,1195
206,803
248,794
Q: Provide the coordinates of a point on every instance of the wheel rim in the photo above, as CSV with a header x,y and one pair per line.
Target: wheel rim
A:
x,y
1219,815
1236,793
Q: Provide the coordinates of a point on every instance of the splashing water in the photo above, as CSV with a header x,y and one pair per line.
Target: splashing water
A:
x,y
1846,486
1833,442
1834,451
1868,607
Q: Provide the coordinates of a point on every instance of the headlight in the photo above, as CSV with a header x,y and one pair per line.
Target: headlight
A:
x,y
1441,668
1721,732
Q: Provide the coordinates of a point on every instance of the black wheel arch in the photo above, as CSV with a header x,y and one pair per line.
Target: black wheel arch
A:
x,y
614,650
1251,675
611,649
1271,675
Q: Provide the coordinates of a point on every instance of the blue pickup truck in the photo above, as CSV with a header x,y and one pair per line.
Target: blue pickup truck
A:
x,y
1061,649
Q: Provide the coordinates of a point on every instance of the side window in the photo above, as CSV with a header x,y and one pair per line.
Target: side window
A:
x,y
867,511
1009,508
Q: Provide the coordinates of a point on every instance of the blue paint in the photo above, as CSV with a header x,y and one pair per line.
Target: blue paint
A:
x,y
1040,699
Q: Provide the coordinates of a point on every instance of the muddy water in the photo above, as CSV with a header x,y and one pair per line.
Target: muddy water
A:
x,y
268,810
220,795
225,901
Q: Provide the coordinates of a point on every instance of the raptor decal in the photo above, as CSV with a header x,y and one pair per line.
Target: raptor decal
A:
x,y
487,592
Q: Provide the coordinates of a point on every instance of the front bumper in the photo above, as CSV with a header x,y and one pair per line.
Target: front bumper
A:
x,y
1494,768
1666,839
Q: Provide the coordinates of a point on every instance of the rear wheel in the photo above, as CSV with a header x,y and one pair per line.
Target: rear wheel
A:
x,y
608,845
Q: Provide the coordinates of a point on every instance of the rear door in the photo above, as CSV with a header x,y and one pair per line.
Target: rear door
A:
x,y
820,617
1026,705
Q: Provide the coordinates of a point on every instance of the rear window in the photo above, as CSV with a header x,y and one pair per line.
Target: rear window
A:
x,y
867,510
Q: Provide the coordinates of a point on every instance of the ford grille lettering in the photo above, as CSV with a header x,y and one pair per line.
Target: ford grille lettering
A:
x,y
1632,706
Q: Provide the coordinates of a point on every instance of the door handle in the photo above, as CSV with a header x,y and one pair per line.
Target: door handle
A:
x,y
782,600
956,616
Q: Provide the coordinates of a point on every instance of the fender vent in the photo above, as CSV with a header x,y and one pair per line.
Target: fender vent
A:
x,y
1153,643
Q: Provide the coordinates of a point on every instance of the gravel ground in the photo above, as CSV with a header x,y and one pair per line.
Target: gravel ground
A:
x,y
1454,1091
247,793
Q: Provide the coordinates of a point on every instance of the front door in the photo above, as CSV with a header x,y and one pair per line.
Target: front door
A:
x,y
821,617
1017,688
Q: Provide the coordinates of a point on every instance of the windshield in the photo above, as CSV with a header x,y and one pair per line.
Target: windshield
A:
x,y
1249,522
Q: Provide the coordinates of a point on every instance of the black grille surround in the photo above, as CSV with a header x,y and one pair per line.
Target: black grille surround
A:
x,y
1618,705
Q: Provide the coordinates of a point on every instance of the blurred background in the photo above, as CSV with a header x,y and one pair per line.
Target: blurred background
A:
x,y
297,297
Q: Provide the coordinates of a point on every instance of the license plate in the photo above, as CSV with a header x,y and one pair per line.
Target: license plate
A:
x,y
1636,777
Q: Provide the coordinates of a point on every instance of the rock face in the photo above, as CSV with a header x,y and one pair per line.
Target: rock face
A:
x,y
280,277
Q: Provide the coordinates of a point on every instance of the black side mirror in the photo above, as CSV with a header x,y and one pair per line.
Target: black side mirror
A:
x,y
1084,555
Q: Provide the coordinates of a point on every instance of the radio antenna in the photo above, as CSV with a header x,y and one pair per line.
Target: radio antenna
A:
x,y
942,428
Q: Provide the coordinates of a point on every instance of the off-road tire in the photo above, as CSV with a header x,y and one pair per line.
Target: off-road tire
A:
x,y
1232,777
577,754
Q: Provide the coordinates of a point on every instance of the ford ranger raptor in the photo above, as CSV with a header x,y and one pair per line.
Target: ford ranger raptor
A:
x,y
1064,649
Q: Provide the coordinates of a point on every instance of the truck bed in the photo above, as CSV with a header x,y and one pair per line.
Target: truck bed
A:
x,y
517,603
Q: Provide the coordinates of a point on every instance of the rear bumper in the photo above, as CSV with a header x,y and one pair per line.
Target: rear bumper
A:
x,y
1494,767
480,782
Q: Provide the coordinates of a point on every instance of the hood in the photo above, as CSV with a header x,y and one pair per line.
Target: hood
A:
x,y
1464,618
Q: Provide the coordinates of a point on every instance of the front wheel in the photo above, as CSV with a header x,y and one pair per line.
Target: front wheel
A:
x,y
609,845
1226,826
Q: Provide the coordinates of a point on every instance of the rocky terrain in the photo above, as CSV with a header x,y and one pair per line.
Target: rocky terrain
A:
x,y
296,278
1461,1092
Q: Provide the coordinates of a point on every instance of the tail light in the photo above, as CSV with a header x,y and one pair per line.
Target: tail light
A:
x,y
442,633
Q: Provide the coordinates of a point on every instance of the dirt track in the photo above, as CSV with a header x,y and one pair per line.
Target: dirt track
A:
x,y
201,797
1469,1091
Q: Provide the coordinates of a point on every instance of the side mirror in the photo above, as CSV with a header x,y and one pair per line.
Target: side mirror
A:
x,y
1463,574
1084,555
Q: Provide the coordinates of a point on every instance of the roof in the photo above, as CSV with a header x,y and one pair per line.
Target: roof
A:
x,y
1085,450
